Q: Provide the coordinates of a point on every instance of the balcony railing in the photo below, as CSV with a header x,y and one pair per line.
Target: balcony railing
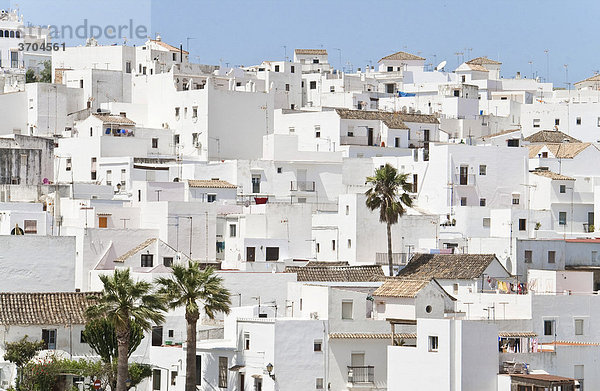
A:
x,y
361,374
397,258
464,180
353,140
302,186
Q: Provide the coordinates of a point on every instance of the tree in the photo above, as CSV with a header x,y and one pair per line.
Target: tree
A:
x,y
192,288
21,352
46,73
124,302
389,193
30,76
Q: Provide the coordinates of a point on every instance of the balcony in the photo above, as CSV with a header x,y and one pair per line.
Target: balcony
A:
x,y
302,186
361,374
464,180
353,140
397,258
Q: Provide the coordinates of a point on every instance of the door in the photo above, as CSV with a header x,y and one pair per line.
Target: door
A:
x,y
157,336
357,359
242,381
464,172
256,183
301,179
49,338
250,254
425,134
590,219
370,137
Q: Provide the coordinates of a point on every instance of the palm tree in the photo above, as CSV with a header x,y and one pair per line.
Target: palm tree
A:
x,y
192,288
389,193
124,301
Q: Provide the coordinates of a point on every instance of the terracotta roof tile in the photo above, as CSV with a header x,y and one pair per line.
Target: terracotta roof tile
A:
x,y
595,78
326,263
56,308
543,377
338,273
113,119
136,250
392,120
317,52
516,334
550,136
401,287
552,175
482,61
447,266
477,67
401,56
168,47
211,183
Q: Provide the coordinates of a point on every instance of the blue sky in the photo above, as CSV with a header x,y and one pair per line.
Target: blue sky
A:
x,y
245,32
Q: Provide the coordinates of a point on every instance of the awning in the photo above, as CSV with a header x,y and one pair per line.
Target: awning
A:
x,y
237,367
517,334
257,376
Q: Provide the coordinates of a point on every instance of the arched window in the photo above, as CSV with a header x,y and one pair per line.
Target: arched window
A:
x,y
12,34
5,33
1,33
18,34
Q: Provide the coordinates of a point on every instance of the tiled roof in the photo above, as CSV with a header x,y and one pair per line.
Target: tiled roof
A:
x,y
477,67
516,334
326,263
508,131
482,61
56,308
560,151
543,377
317,52
168,47
401,56
595,78
550,136
534,150
552,175
392,120
447,266
113,119
338,273
401,287
371,335
211,183
136,250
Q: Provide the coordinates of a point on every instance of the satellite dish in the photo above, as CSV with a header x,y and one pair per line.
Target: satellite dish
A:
x,y
441,65
247,203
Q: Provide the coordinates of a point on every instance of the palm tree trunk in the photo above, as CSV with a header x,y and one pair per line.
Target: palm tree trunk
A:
x,y
122,360
190,359
389,240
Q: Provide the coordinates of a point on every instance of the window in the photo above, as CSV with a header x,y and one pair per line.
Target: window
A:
x,y
128,67
528,256
93,172
548,327
246,341
319,383
455,288
102,222
174,56
390,69
415,182
486,222
557,121
544,155
578,326
292,130
109,177
198,370
315,60
272,254
347,210
536,122
123,177
522,224
482,202
156,379
82,337
318,345
578,121
318,247
292,69
69,164
463,201
456,93
177,112
594,256
232,230
154,143
515,199
49,338
332,89
168,262
279,170
211,197
276,68
349,243
223,372
482,169
333,245
287,87
347,309
578,371
562,218
171,333
397,142
173,378
562,189
30,226
433,343
256,183
157,335
512,143
551,256
313,85
147,260
389,88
